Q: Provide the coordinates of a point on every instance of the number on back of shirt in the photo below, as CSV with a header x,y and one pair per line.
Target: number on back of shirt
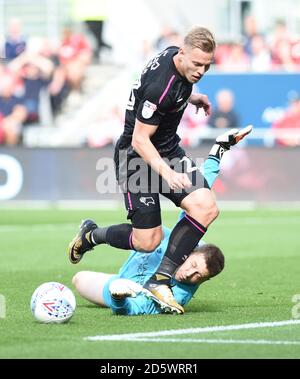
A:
x,y
131,101
154,64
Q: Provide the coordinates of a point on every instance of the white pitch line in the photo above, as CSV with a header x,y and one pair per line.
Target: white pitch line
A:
x,y
173,332
216,341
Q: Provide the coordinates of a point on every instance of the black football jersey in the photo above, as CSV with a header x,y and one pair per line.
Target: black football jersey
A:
x,y
158,97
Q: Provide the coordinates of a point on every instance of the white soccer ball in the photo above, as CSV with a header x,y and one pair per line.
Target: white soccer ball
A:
x,y
53,302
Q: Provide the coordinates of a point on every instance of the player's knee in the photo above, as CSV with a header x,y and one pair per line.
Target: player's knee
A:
x,y
75,279
204,213
147,245
78,278
147,240
211,211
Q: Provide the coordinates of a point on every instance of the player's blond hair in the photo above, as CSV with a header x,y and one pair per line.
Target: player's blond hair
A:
x,y
201,38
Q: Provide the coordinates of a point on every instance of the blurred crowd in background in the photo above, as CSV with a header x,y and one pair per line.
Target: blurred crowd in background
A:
x,y
34,69
38,77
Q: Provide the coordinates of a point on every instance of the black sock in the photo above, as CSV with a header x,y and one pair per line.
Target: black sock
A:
x,y
183,240
119,236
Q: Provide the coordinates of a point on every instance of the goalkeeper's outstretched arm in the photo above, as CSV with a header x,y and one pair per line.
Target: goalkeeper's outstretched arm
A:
x,y
211,167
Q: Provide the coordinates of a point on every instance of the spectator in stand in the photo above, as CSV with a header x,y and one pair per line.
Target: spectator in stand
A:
x,y
295,51
2,135
2,69
75,55
283,48
278,34
261,57
283,59
168,37
250,31
192,127
106,130
2,73
35,72
15,43
94,14
236,59
13,113
59,87
222,52
224,115
290,122
146,53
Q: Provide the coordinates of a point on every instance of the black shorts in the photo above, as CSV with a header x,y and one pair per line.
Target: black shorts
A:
x,y
141,186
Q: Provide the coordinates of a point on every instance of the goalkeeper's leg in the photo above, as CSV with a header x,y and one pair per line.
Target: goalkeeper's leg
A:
x,y
90,285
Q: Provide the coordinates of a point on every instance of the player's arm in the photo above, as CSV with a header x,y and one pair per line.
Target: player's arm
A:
x,y
211,166
201,101
141,142
210,169
45,65
126,298
122,307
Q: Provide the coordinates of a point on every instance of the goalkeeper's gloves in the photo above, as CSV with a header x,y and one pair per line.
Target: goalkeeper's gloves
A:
x,y
122,288
228,139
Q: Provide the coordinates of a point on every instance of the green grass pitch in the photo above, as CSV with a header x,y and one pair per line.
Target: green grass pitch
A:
x,y
259,284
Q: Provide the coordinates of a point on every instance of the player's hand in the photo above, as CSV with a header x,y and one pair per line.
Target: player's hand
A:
x,y
201,101
233,136
122,288
178,180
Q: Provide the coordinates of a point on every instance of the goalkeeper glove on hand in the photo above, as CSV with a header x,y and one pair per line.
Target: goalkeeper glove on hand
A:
x,y
122,288
228,139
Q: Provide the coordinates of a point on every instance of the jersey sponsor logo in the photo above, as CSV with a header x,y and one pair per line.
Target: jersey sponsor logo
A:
x,y
131,101
147,201
189,167
148,109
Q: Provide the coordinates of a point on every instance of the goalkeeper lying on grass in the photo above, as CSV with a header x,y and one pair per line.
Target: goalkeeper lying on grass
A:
x,y
124,293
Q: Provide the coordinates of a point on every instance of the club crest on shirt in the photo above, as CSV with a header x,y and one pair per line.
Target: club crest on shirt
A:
x,y
148,109
147,201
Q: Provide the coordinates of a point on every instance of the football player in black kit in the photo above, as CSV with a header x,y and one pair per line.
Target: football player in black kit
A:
x,y
150,161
